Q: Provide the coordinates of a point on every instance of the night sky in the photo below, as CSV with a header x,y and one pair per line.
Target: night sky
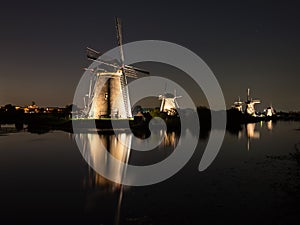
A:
x,y
252,44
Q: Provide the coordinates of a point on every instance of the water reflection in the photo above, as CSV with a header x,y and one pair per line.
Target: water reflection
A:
x,y
11,128
269,125
94,150
102,200
170,140
119,146
94,147
109,194
250,133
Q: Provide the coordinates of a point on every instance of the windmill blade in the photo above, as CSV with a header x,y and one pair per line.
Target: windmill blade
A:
x,y
92,54
90,70
132,76
248,94
176,104
175,95
120,39
137,69
105,63
130,73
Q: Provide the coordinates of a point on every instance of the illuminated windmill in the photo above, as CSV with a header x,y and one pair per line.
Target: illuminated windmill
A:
x,y
238,105
109,97
270,111
169,103
250,110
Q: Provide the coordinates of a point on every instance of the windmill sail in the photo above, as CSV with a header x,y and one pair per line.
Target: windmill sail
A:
x,y
120,39
123,79
92,54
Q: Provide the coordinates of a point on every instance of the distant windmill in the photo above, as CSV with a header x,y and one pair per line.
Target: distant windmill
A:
x,y
238,105
106,102
250,110
270,111
169,103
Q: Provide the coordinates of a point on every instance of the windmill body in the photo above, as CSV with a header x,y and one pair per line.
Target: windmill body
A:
x,y
111,99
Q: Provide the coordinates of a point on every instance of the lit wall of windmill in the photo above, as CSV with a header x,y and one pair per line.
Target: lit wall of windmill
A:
x,y
108,95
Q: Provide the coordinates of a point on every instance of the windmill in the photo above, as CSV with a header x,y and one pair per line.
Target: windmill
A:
x,y
238,105
109,97
270,111
169,103
250,110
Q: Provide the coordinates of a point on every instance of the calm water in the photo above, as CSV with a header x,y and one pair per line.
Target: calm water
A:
x,y
45,180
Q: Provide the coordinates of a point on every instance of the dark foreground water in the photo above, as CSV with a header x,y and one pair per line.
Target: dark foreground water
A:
x,y
253,180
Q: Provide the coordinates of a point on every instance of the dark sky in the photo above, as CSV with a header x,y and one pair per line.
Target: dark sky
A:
x,y
246,44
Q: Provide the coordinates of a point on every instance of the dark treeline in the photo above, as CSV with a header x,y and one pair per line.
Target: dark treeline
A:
x,y
46,119
10,114
39,120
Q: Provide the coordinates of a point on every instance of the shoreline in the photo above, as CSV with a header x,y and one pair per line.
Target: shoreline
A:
x,y
41,123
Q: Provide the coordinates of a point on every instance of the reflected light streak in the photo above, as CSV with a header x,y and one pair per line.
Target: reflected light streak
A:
x,y
269,125
113,144
251,133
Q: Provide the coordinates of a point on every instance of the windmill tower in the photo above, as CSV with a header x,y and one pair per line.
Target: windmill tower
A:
x,y
169,103
109,98
250,110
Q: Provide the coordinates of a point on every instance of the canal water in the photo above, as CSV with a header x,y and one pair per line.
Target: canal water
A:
x,y
45,179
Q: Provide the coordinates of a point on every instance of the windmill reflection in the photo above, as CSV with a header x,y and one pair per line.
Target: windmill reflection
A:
x,y
119,146
251,133
269,125
94,148
170,140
